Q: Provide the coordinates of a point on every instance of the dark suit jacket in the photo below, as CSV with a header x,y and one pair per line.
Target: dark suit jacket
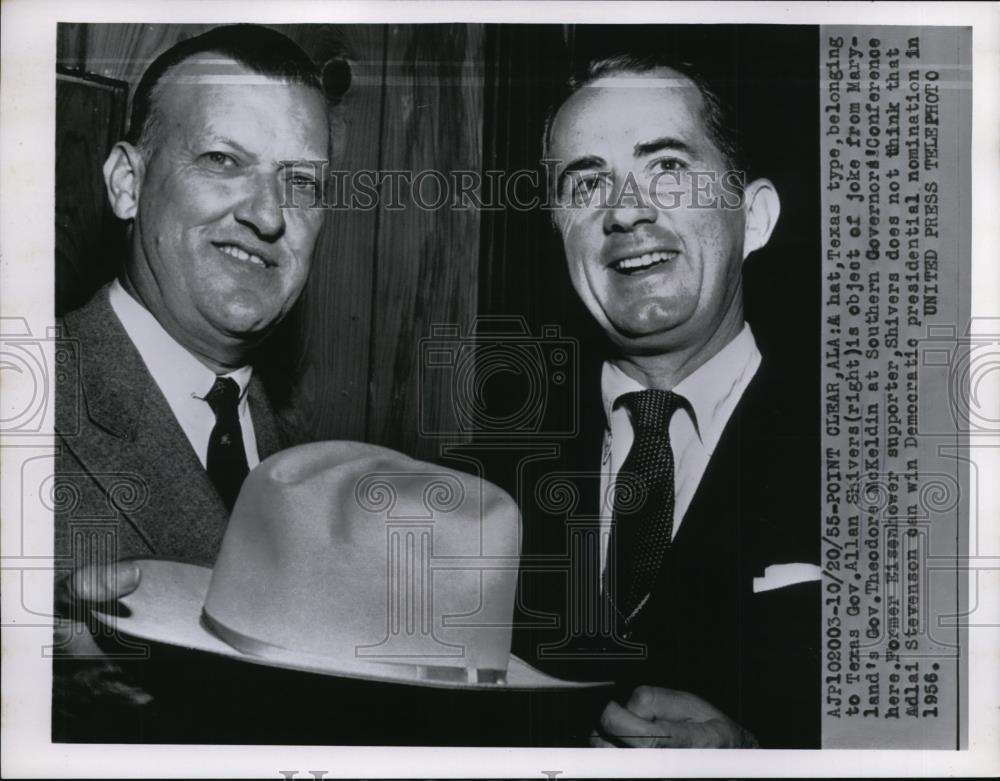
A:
x,y
128,483
704,630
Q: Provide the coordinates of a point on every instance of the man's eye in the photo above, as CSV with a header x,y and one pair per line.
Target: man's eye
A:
x,y
219,160
300,180
586,186
670,164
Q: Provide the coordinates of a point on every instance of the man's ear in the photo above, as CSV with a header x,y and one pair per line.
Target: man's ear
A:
x,y
762,207
123,172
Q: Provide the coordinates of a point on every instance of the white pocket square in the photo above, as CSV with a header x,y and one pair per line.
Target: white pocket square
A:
x,y
781,575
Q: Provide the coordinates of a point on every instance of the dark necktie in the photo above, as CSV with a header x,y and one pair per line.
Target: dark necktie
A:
x,y
227,460
643,518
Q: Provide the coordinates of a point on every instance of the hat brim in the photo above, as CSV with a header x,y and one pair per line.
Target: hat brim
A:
x,y
167,608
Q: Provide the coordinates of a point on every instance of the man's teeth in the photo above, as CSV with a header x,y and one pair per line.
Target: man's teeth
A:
x,y
645,260
240,254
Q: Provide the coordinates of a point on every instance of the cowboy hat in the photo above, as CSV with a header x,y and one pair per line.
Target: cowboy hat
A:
x,y
351,560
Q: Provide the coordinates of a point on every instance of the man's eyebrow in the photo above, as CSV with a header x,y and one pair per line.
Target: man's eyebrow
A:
x,y
237,146
661,144
580,164
302,162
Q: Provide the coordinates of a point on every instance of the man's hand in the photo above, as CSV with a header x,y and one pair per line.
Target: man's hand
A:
x,y
95,584
80,681
75,595
665,718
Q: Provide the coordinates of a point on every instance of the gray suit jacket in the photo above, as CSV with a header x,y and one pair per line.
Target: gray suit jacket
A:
x,y
128,482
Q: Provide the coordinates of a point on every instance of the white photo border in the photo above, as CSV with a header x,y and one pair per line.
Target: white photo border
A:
x,y
27,108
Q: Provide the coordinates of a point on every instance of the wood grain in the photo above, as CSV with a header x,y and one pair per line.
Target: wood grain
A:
x,y
427,260
335,320
118,51
90,118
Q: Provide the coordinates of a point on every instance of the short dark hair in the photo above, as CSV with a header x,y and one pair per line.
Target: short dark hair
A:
x,y
719,96
261,49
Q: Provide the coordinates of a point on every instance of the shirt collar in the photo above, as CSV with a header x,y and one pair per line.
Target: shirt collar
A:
x,y
176,371
708,389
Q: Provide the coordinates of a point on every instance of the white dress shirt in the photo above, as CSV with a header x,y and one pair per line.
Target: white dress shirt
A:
x,y
713,390
182,378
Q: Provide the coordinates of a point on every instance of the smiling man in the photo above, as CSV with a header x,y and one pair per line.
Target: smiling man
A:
x,y
167,416
704,599
654,243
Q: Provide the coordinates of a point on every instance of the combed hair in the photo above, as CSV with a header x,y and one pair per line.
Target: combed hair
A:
x,y
720,112
261,49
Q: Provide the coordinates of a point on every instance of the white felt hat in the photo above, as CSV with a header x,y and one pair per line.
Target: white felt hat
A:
x,y
352,560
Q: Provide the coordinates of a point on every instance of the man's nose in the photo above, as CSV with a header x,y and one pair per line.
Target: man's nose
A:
x,y
628,209
261,208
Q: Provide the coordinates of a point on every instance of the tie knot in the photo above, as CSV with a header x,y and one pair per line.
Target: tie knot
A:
x,y
224,396
651,409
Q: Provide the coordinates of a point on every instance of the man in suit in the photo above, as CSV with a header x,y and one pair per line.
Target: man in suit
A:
x,y
692,522
159,412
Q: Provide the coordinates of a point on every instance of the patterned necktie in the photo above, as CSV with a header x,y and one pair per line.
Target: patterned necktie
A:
x,y
227,459
643,519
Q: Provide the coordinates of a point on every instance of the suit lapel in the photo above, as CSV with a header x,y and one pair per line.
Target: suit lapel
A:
x,y
747,512
177,509
266,430
768,457
185,514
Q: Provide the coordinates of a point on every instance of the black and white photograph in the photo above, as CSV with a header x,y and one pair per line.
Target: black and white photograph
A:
x,y
383,379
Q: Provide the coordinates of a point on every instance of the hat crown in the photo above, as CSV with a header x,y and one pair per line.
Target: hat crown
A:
x,y
359,556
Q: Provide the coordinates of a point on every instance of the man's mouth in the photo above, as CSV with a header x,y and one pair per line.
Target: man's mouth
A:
x,y
636,264
241,254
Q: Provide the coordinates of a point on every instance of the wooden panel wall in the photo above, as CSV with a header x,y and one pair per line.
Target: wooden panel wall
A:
x,y
427,257
380,278
337,313
88,237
